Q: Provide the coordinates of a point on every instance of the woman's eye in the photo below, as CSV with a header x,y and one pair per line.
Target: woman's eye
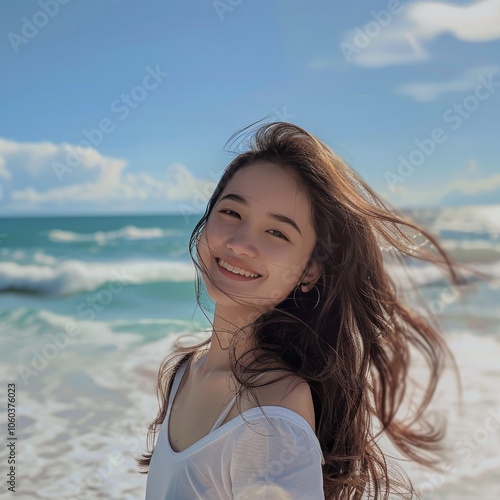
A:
x,y
274,232
225,212
280,233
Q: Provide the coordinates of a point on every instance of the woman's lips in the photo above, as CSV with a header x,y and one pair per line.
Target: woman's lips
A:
x,y
229,274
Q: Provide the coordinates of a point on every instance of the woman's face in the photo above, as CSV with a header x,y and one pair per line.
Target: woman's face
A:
x,y
247,228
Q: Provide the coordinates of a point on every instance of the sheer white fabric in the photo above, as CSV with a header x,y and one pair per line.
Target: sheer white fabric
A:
x,y
278,457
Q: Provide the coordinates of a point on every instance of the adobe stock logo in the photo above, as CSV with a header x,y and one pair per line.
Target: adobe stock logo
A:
x,y
454,116
94,136
40,19
361,37
221,7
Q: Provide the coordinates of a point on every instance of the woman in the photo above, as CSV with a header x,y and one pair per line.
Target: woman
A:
x,y
290,250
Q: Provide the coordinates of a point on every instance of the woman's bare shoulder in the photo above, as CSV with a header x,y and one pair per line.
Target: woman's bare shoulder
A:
x,y
291,392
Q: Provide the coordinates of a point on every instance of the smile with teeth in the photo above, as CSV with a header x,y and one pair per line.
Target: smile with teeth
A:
x,y
236,270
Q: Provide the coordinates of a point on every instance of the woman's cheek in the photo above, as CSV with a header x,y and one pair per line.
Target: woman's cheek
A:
x,y
292,274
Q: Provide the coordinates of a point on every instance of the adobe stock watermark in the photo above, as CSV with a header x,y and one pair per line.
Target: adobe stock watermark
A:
x,y
281,114
464,449
31,27
59,341
222,7
201,195
446,297
455,116
87,486
363,36
121,106
321,253
281,461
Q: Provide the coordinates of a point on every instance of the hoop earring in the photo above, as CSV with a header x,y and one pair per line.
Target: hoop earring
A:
x,y
303,284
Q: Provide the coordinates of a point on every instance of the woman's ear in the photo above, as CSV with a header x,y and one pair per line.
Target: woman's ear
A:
x,y
312,276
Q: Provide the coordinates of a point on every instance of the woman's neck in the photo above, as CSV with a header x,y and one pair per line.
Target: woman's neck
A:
x,y
216,361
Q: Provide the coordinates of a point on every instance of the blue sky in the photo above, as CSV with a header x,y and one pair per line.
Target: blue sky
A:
x,y
120,107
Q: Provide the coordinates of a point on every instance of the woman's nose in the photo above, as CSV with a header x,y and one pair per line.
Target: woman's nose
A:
x,y
242,242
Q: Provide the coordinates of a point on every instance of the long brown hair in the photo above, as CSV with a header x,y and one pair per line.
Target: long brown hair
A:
x,y
354,347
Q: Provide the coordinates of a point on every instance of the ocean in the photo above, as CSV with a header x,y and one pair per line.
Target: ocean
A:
x,y
90,306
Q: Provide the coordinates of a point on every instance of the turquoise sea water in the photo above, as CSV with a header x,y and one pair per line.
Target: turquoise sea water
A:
x,y
89,307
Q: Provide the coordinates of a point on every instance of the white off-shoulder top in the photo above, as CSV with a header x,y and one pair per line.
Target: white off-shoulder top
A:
x,y
256,459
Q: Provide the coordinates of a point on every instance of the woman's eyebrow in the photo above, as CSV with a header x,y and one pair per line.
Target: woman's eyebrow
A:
x,y
279,217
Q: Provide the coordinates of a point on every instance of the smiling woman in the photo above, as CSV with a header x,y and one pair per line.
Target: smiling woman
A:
x,y
289,249
262,224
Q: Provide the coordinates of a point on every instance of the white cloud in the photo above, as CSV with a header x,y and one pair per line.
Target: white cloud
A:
x,y
476,186
477,22
183,185
402,38
460,189
428,91
4,171
391,47
411,196
472,166
46,175
47,165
